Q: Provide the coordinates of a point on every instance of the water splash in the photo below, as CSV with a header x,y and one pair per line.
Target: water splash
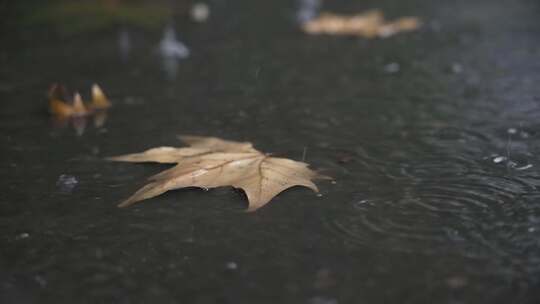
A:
x,y
172,51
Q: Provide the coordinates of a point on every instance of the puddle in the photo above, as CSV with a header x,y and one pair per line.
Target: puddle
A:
x,y
431,136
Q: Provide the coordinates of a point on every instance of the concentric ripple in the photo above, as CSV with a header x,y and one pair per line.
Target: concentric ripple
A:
x,y
445,198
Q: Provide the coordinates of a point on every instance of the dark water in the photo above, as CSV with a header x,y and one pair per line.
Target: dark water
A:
x,y
432,137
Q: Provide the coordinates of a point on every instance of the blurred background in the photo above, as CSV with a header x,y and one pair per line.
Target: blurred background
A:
x,y
432,136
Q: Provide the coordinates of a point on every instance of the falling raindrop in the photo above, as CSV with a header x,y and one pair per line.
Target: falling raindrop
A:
x,y
124,44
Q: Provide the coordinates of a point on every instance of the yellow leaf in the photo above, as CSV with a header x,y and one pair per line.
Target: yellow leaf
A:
x,y
58,101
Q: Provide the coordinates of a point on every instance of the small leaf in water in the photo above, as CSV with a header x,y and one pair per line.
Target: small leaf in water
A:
x,y
61,105
75,110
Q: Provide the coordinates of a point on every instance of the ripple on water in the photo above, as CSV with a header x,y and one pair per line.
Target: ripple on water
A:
x,y
445,199
475,219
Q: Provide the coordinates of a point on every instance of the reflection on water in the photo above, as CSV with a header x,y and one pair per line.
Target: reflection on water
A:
x,y
66,183
79,123
172,51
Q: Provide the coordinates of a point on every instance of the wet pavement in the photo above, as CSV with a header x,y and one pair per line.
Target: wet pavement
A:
x,y
432,137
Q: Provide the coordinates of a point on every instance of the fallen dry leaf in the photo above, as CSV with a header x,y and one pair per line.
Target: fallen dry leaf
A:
x,y
74,110
61,105
369,24
211,162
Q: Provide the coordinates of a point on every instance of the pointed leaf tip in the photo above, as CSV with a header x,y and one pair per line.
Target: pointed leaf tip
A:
x,y
99,100
78,105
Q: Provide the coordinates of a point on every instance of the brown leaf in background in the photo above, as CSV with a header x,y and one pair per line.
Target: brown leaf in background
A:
x,y
369,24
61,105
211,162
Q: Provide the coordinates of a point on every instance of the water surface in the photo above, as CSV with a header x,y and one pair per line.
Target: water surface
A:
x,y
432,137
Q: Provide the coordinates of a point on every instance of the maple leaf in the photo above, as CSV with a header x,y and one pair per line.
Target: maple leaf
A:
x,y
211,162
